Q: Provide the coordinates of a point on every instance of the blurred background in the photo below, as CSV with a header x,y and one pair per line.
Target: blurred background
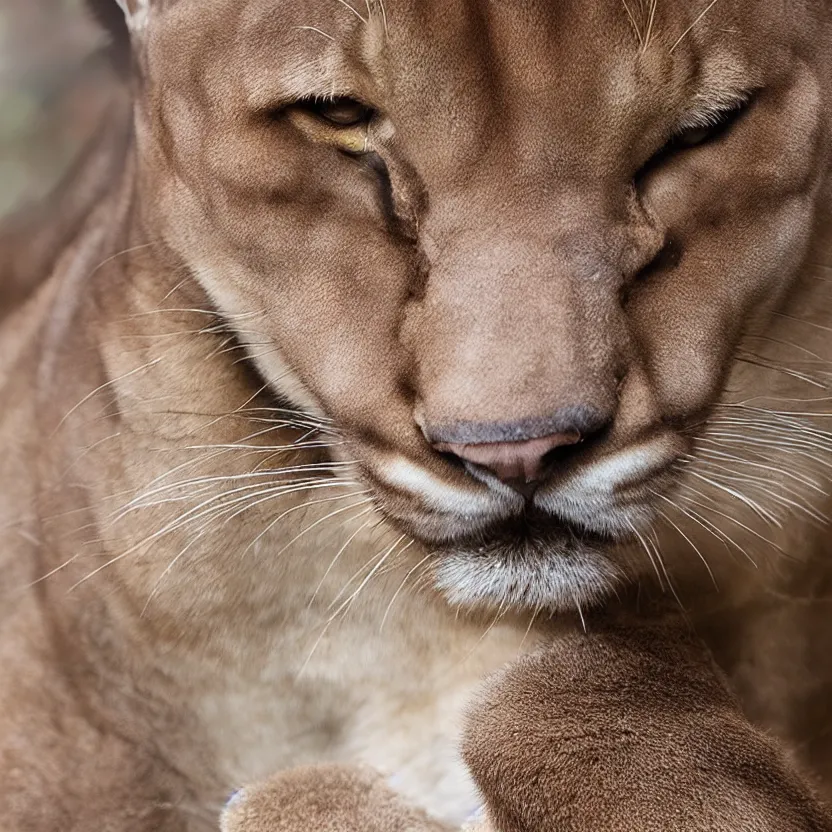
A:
x,y
50,77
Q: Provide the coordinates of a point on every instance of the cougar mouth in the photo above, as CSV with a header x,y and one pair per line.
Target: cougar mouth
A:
x,y
521,557
533,531
534,562
565,547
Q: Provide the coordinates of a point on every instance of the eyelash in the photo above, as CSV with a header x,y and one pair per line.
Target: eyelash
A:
x,y
722,123
680,141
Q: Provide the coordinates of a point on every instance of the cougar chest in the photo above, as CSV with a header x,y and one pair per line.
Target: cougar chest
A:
x,y
382,698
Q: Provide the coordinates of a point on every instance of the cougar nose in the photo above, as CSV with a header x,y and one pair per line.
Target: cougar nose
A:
x,y
515,463
518,453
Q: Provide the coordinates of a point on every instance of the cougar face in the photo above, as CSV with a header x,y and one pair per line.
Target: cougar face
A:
x,y
509,249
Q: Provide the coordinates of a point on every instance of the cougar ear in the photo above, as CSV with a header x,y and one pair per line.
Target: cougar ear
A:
x,y
120,18
135,12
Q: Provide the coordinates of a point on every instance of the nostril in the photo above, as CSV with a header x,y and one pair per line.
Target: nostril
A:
x,y
563,454
559,456
450,457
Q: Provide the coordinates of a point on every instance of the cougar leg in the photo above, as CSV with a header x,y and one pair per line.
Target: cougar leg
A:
x,y
62,768
625,728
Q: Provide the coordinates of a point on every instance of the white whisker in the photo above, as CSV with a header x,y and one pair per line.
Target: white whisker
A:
x,y
285,514
341,551
693,25
401,587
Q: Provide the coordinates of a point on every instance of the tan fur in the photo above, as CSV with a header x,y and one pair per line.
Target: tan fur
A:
x,y
326,798
227,544
628,727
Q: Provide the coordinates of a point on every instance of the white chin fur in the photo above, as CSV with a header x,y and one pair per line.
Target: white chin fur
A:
x,y
533,577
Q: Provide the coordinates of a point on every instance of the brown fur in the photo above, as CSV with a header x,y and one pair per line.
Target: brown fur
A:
x,y
227,544
324,798
627,727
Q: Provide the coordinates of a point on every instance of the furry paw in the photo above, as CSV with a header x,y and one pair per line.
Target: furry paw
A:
x,y
324,799
625,730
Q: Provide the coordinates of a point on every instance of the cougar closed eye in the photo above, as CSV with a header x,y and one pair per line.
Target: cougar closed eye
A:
x,y
341,111
707,127
701,128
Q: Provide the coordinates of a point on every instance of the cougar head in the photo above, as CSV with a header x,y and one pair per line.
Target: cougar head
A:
x,y
509,249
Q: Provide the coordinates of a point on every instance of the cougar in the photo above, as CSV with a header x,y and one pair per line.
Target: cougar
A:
x,y
379,344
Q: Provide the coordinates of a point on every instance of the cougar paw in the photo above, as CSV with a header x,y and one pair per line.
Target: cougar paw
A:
x,y
323,799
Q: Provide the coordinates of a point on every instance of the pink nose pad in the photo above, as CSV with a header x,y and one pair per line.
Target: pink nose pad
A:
x,y
512,462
